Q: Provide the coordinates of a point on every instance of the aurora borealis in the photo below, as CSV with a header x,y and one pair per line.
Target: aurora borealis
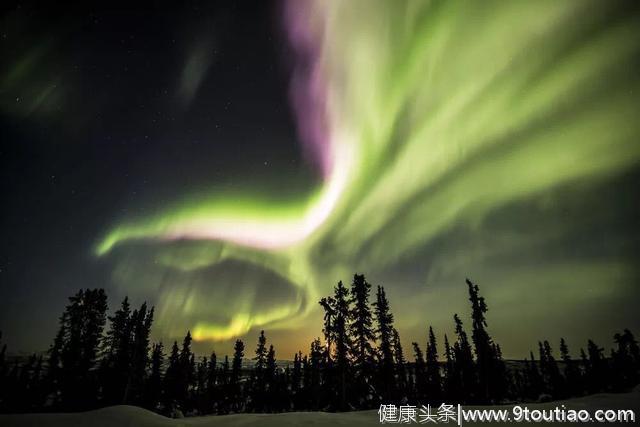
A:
x,y
438,140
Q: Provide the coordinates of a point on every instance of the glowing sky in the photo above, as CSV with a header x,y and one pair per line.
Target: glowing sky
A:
x,y
423,117
491,140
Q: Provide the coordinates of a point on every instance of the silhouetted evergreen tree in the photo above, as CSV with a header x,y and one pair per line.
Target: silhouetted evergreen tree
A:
x,y
433,379
624,368
141,321
384,331
224,403
212,384
117,351
342,340
464,365
550,372
491,379
573,381
420,375
73,356
258,392
361,325
328,329
451,386
154,383
235,389
400,365
596,372
172,380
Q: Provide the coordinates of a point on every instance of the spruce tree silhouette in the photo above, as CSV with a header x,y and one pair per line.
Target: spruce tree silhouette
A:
x,y
77,347
464,365
384,331
258,382
212,384
401,371
172,379
235,389
433,379
361,327
153,387
490,373
451,386
419,372
573,386
343,344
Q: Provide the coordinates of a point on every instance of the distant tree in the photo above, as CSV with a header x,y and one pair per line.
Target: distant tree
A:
x,y
185,374
596,373
464,365
342,340
141,321
172,380
491,379
312,381
419,371
153,388
624,369
271,381
384,331
536,383
296,381
573,386
328,329
212,383
451,386
550,372
117,351
234,383
433,379
258,386
72,358
200,392
224,380
400,364
361,324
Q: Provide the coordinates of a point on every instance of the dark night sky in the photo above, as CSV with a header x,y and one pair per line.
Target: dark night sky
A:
x,y
419,144
118,135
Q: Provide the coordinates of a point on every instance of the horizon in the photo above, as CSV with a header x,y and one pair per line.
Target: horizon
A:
x,y
229,163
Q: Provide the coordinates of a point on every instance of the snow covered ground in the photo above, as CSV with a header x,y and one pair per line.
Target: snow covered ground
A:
x,y
129,416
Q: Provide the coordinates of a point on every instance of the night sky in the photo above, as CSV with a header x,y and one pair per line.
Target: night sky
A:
x,y
229,162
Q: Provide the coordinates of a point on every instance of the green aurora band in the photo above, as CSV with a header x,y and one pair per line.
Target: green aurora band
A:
x,y
438,117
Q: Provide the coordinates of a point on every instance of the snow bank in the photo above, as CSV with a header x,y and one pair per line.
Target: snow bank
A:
x,y
130,416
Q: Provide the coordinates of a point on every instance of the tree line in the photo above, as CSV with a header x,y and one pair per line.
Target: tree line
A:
x,y
359,364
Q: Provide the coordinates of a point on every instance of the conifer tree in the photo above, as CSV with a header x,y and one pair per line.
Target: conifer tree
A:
x,y
328,329
489,370
84,321
535,379
384,331
259,375
433,380
571,371
361,322
342,340
172,380
211,383
153,393
234,383
400,364
552,372
464,365
597,368
419,373
451,388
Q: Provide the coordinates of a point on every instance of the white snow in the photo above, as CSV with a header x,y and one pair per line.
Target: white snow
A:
x,y
129,416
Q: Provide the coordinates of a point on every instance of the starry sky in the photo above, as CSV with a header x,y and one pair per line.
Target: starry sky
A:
x,y
229,162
